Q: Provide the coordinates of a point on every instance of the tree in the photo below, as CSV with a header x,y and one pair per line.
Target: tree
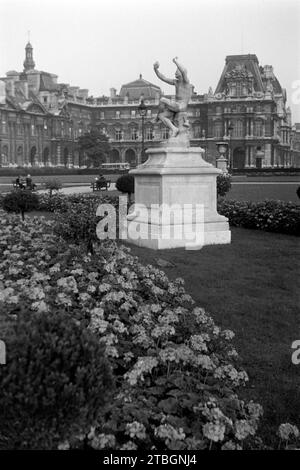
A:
x,y
96,146
20,201
52,185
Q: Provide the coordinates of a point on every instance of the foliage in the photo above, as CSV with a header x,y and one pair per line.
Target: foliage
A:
x,y
96,146
223,184
177,373
20,201
298,192
53,184
272,216
125,184
61,202
55,381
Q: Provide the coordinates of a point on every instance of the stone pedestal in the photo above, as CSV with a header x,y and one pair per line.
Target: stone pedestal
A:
x,y
175,201
222,164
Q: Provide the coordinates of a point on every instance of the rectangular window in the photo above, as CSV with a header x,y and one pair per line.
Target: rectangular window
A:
x,y
218,129
134,134
258,129
118,134
165,133
4,129
102,115
149,133
133,113
32,130
118,114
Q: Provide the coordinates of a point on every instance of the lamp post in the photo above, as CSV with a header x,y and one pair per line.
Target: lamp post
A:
x,y
142,109
230,129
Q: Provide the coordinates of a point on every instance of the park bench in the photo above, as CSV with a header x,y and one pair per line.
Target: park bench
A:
x,y
99,185
33,187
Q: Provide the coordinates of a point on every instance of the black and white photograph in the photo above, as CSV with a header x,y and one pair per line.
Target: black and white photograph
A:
x,y
149,229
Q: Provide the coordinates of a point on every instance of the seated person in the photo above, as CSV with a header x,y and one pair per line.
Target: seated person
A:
x,y
29,183
100,180
20,182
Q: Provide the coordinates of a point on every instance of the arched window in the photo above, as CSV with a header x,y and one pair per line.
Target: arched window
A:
x,y
197,130
20,155
4,155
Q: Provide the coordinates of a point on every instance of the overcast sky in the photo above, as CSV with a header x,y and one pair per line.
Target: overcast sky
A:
x,y
99,44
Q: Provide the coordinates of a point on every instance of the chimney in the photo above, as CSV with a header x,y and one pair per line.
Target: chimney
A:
x,y
11,87
268,70
2,93
113,92
24,87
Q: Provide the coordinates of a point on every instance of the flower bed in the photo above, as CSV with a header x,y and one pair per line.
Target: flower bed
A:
x,y
272,216
177,374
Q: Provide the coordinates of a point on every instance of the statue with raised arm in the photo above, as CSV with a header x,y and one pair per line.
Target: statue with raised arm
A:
x,y
173,113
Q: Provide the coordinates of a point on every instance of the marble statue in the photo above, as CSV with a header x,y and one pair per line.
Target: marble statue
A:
x,y
173,112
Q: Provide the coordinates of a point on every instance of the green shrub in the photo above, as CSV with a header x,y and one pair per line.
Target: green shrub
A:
x,y
61,202
272,216
55,381
52,184
78,223
55,203
223,184
20,201
125,184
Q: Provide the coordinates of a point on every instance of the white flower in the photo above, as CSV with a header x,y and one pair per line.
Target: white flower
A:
x,y
288,430
214,432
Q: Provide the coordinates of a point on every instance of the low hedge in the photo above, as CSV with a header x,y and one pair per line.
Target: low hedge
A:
x,y
50,171
271,216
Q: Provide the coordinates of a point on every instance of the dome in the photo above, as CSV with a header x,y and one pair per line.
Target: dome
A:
x,y
139,87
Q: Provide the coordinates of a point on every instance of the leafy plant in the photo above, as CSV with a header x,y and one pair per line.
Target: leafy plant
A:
x,y
272,216
96,146
52,184
125,184
55,382
223,184
20,201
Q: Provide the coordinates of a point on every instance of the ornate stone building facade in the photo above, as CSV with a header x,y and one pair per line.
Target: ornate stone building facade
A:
x,y
41,119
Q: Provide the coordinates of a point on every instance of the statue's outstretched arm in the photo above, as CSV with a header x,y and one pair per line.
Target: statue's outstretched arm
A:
x,y
182,69
170,81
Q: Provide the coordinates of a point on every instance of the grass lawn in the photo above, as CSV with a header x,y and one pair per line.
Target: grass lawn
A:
x,y
252,287
259,192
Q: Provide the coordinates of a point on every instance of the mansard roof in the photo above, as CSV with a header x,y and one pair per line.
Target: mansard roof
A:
x,y
243,66
47,83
